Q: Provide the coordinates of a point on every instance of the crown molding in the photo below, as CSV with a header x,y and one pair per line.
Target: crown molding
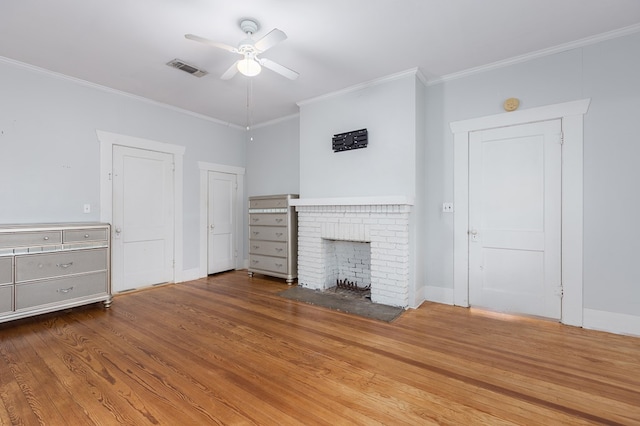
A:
x,y
587,41
106,89
411,72
274,121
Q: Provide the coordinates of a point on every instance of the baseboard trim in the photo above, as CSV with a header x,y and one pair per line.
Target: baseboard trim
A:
x,y
439,294
611,322
191,274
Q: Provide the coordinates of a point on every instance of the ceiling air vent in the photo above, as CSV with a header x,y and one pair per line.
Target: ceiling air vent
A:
x,y
181,65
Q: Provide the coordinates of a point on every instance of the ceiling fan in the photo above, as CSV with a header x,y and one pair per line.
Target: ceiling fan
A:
x,y
250,64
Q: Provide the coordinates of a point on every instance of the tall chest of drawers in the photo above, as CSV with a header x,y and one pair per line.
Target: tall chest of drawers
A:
x,y
273,237
49,267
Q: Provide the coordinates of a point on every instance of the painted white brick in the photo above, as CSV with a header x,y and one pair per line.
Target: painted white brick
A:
x,y
386,267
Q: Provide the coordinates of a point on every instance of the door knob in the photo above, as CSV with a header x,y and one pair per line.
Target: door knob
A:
x,y
212,226
118,231
473,232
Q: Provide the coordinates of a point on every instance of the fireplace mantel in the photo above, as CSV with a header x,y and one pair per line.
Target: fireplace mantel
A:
x,y
401,200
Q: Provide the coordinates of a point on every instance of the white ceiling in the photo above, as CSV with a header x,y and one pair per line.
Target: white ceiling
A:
x,y
333,44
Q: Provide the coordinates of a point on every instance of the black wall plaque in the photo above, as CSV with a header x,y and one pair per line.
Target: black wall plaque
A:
x,y
350,140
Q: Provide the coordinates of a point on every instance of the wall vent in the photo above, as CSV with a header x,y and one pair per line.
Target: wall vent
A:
x,y
182,65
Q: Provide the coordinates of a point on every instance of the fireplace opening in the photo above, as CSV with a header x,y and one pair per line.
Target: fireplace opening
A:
x,y
348,267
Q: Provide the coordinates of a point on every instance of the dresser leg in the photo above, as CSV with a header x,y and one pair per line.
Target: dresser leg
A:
x,y
251,274
107,303
290,281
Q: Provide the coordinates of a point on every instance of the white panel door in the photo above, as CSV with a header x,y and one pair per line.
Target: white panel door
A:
x,y
143,234
221,222
515,219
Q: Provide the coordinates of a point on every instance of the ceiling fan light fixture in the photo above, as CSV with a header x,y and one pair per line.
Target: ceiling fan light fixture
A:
x,y
249,67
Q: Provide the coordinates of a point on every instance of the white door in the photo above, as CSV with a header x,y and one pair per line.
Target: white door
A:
x,y
143,217
515,219
221,222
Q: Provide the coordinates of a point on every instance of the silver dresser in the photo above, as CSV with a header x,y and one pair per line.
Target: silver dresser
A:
x,y
48,267
273,237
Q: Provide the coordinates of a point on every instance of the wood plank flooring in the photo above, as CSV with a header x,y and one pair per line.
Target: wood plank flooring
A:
x,y
228,350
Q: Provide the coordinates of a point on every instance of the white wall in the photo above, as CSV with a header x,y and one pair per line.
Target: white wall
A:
x,y
387,109
548,80
612,176
49,151
419,236
605,72
273,161
273,158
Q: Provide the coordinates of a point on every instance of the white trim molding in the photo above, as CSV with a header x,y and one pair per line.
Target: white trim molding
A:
x,y
205,168
588,41
106,89
413,71
572,115
107,141
438,294
612,322
354,201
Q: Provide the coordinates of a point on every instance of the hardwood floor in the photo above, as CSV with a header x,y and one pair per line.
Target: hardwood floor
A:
x,y
228,350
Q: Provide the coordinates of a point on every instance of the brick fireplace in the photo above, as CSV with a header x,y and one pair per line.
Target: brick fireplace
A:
x,y
381,222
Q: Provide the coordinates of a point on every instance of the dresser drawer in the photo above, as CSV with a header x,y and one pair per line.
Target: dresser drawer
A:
x,y
60,289
78,235
26,239
267,263
268,219
270,233
270,248
269,203
49,265
6,298
6,270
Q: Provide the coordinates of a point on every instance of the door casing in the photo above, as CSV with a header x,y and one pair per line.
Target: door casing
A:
x,y
572,116
107,141
240,209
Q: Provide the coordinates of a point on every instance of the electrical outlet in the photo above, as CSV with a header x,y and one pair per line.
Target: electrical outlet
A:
x,y
447,207
87,208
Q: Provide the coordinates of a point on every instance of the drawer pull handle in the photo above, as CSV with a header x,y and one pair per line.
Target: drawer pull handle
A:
x,y
64,290
279,234
255,219
255,262
279,220
64,265
279,265
279,250
256,233
46,238
86,235
255,247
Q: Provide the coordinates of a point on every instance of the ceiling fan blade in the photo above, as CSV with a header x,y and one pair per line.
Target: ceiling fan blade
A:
x,y
274,37
233,70
280,69
211,43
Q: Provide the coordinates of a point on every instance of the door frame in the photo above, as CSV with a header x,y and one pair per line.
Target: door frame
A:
x,y
572,116
205,168
107,141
